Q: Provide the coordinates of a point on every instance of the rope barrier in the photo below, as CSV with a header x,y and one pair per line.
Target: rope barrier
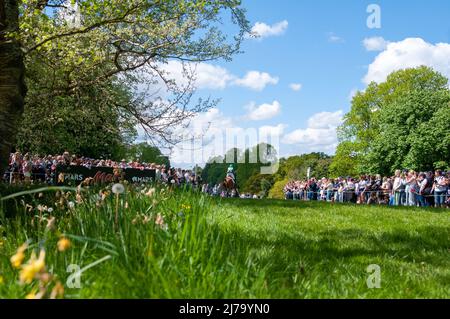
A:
x,y
384,192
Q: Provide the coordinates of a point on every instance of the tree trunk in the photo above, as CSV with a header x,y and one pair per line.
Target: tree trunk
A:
x,y
12,85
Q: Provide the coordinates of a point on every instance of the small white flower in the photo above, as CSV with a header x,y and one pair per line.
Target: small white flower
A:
x,y
50,210
71,204
118,189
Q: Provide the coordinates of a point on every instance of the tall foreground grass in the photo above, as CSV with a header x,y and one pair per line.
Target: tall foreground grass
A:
x,y
179,244
164,246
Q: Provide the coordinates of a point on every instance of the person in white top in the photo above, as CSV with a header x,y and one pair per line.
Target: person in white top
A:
x,y
411,188
399,188
440,188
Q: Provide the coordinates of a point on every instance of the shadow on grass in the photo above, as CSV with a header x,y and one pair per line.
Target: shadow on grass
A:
x,y
428,244
316,204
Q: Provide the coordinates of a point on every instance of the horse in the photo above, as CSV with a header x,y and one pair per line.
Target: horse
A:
x,y
228,186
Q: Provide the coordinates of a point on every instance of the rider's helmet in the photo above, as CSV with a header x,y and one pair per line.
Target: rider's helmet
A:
x,y
230,168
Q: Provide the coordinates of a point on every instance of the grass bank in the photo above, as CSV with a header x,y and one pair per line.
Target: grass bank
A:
x,y
183,245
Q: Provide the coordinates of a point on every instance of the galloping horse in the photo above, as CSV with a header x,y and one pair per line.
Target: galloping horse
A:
x,y
228,186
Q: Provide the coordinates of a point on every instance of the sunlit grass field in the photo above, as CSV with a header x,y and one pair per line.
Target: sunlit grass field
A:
x,y
179,244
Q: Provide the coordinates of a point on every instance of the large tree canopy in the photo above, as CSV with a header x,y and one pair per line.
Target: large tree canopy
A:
x,y
69,46
88,124
400,123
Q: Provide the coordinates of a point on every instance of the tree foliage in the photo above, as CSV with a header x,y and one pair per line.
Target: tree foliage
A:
x,y
83,43
146,153
296,167
397,123
71,46
88,124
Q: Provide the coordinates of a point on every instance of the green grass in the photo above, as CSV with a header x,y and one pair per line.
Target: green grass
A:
x,y
229,248
319,250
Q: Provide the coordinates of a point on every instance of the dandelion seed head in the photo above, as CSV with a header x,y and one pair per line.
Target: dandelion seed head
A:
x,y
118,188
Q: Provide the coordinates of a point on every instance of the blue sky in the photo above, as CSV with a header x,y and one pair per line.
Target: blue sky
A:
x,y
320,45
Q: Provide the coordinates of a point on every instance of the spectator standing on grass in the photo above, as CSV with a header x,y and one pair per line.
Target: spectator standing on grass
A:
x,y
322,190
448,189
440,188
398,188
429,196
349,191
386,186
411,188
340,190
423,184
288,191
16,167
360,188
313,189
27,167
329,189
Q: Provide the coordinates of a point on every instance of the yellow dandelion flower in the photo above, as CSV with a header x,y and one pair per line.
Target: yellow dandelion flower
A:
x,y
27,274
64,244
34,295
186,207
18,258
31,295
33,267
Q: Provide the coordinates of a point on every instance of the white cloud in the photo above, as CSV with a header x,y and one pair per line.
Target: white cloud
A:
x,y
212,134
409,53
256,80
319,136
262,30
203,139
208,76
325,120
276,131
264,111
296,86
375,44
333,38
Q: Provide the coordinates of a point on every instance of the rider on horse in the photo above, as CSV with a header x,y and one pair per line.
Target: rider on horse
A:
x,y
229,185
231,173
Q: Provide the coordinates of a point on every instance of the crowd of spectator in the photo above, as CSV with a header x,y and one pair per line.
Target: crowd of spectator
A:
x,y
26,168
405,188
